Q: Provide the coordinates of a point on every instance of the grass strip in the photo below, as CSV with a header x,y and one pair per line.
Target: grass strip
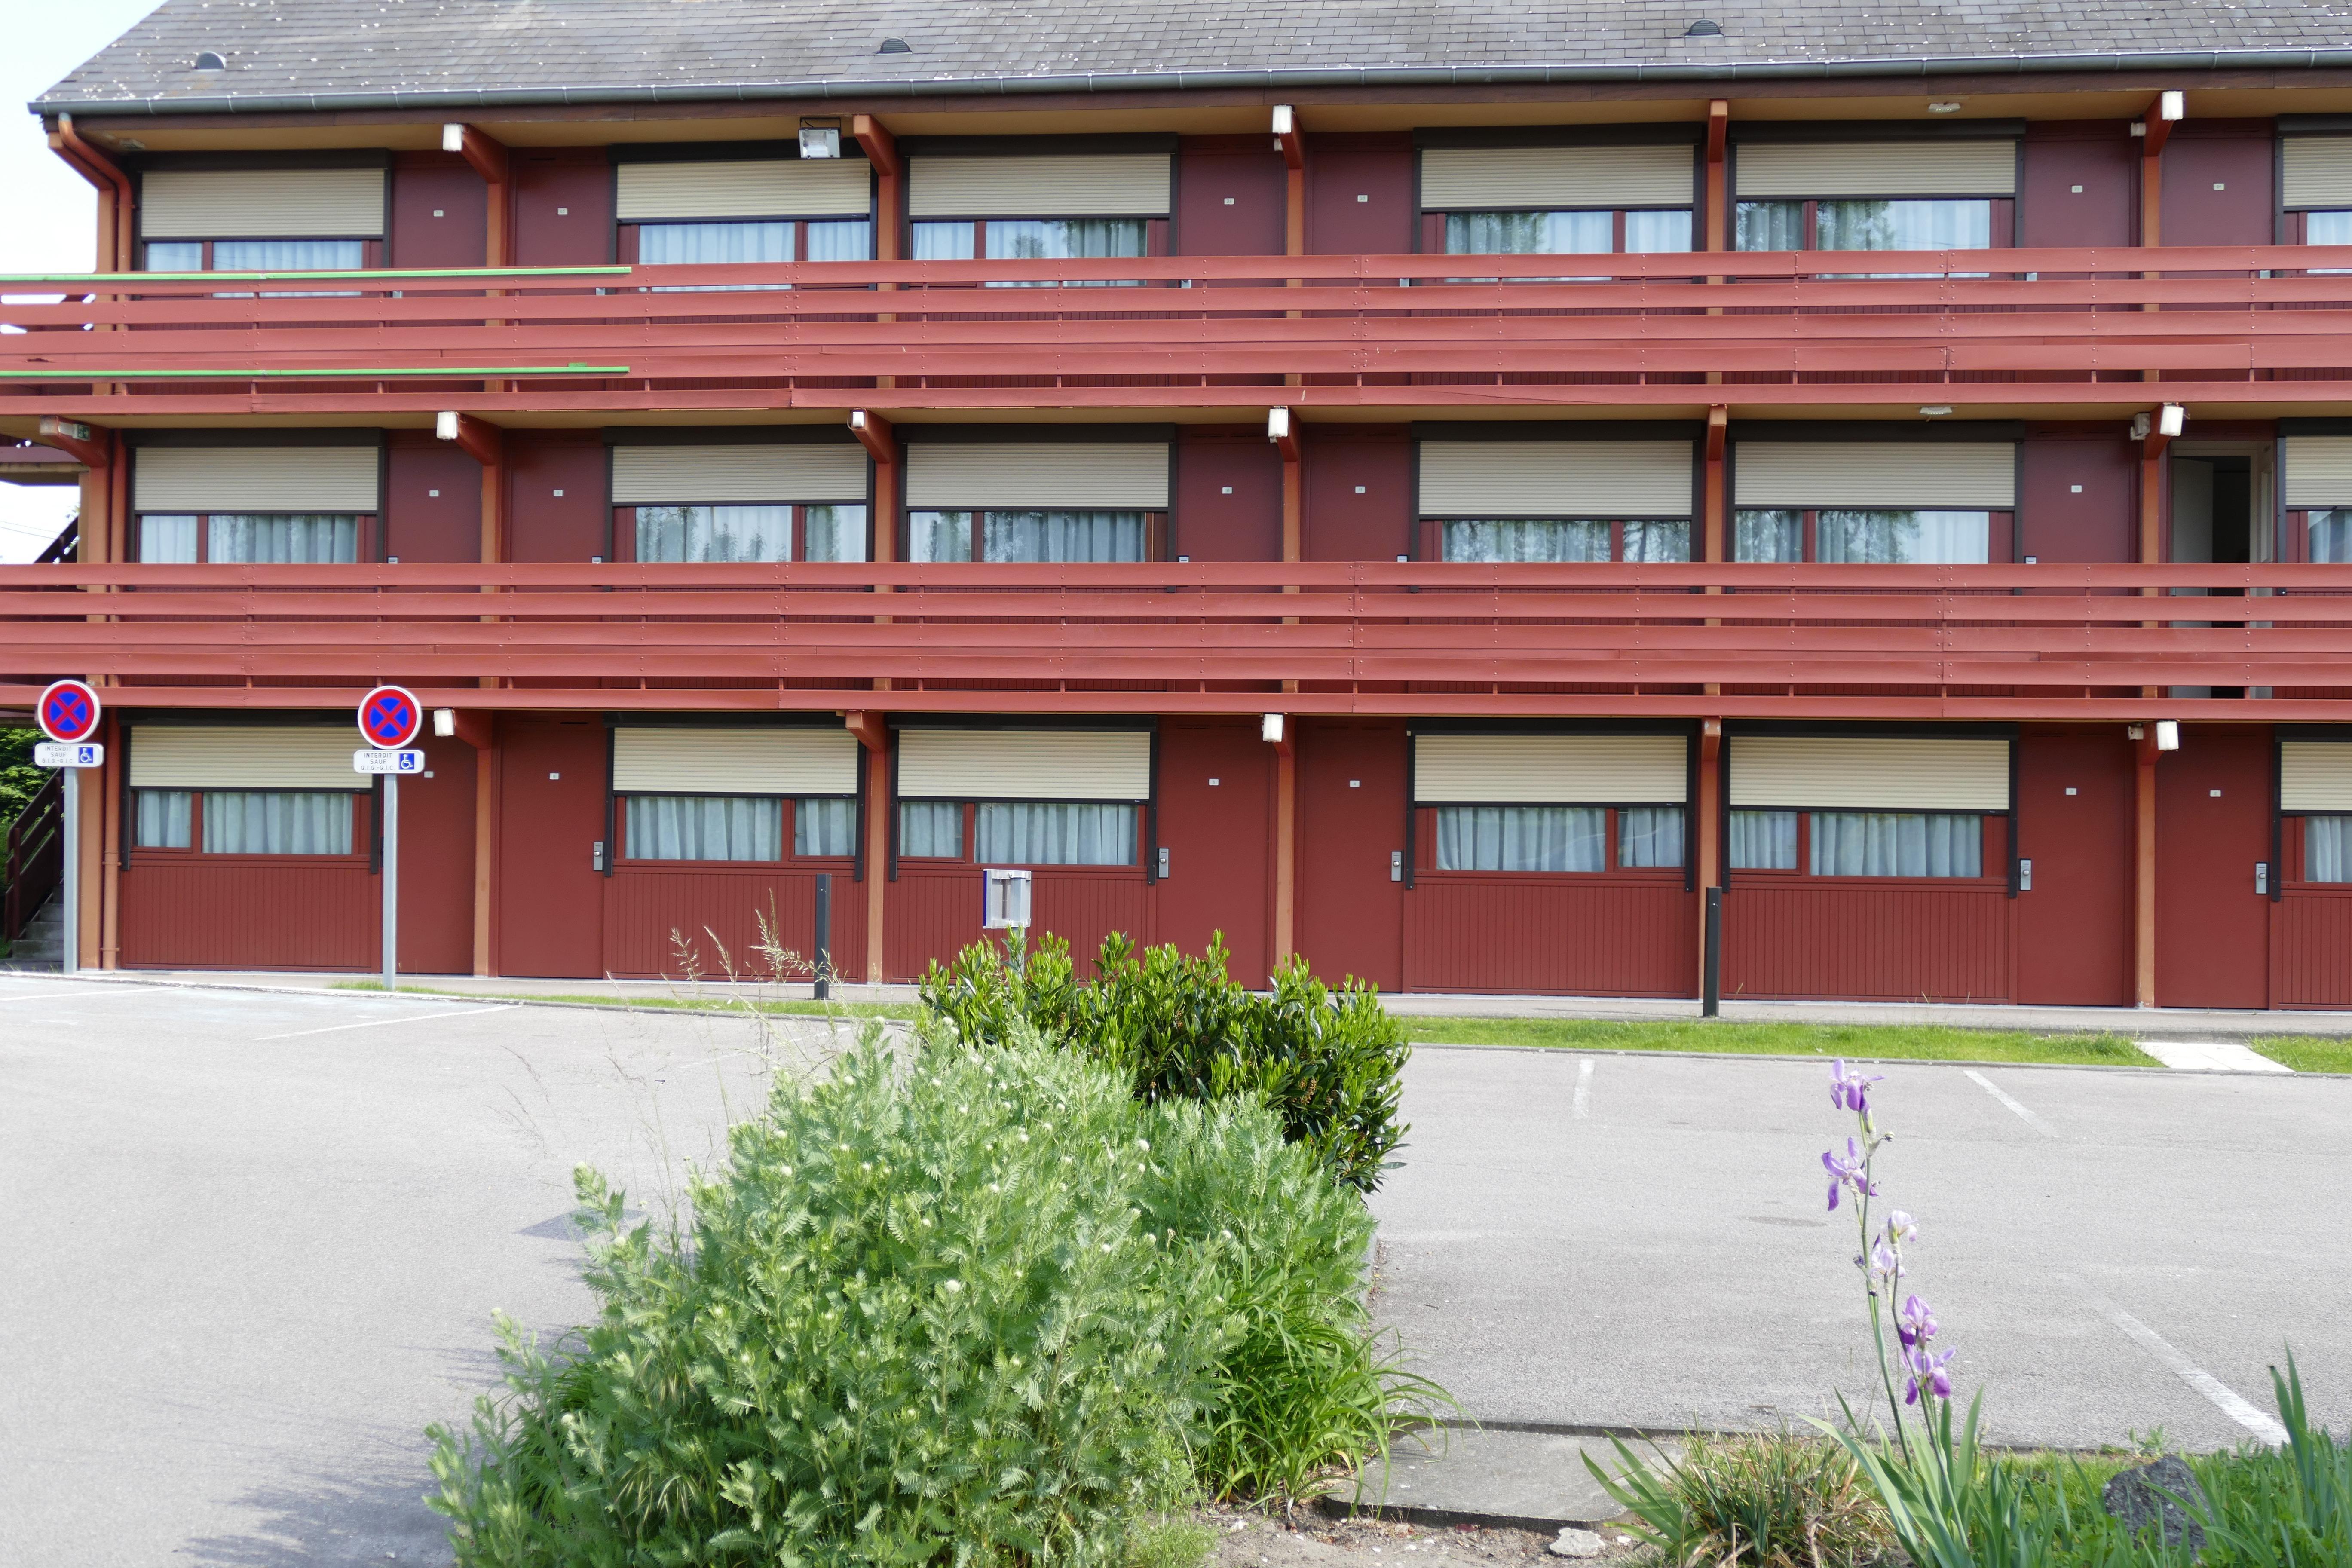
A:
x,y
1910,1042
898,1010
2304,1053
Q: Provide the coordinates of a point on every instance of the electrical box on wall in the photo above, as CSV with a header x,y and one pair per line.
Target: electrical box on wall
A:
x,y
1004,899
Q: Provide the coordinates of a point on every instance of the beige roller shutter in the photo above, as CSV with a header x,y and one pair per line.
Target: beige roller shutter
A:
x,y
767,187
1966,167
1895,474
261,203
680,475
240,756
1466,179
1083,184
1110,475
1024,764
665,760
255,479
2318,472
2315,775
2316,171
1870,773
1555,479
1592,770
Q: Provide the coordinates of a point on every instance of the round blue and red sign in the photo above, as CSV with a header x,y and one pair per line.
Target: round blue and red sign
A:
x,y
69,711
390,717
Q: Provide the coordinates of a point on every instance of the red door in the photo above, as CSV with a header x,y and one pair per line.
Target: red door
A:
x,y
2075,824
1351,835
1216,825
550,819
2213,826
437,862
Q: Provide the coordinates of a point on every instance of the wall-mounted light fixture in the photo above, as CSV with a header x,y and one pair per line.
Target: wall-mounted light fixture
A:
x,y
820,138
445,723
2167,734
1269,729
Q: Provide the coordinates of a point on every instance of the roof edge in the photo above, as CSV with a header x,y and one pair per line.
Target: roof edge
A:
x,y
1137,81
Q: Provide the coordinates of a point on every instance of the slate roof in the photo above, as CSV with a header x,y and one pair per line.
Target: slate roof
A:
x,y
342,53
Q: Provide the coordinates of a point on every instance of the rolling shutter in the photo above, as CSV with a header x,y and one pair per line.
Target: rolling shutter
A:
x,y
765,187
2316,171
1870,773
1591,769
1024,764
1555,479
242,756
2318,472
665,760
679,476
1963,167
261,203
255,479
1086,184
1895,474
1079,475
2315,775
1466,179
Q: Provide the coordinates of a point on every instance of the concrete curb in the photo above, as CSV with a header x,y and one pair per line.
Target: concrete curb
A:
x,y
2156,1068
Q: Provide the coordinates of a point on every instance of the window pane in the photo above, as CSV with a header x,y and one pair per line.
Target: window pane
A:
x,y
1529,539
675,244
2318,228
1529,234
931,829
167,538
1064,536
161,818
942,242
284,538
1054,833
835,533
1655,233
188,255
1902,225
704,827
1763,840
939,536
849,241
714,533
289,255
1768,536
1054,240
1522,839
1650,836
2331,533
1654,541
1769,226
2327,848
277,822
1903,538
1896,843
824,824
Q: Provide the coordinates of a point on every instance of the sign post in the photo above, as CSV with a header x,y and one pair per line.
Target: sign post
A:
x,y
69,713
389,719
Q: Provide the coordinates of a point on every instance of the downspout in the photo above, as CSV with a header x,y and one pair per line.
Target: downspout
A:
x,y
116,206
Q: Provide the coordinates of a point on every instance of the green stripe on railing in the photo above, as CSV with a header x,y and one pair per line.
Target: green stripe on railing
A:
x,y
12,279
457,372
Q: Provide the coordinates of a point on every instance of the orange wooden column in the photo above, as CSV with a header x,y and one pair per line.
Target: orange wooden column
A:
x,y
873,740
1706,827
485,444
1281,430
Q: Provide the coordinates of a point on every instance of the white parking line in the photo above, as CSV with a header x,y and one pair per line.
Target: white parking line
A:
x,y
2224,1396
2031,1120
2210,1056
1583,1102
95,990
380,1023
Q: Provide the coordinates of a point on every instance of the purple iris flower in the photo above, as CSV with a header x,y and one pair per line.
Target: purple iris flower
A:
x,y
1886,1263
1851,1092
1900,1228
1928,1377
1846,1173
1914,1325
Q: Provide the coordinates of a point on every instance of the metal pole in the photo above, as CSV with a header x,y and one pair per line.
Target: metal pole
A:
x,y
1710,1004
69,892
390,880
824,936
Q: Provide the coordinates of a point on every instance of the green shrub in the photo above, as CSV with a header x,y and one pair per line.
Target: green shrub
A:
x,y
1766,1501
1329,1064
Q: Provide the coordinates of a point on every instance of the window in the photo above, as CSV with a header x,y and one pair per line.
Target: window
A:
x,y
1859,843
163,819
1036,239
931,829
1763,840
1566,233
274,537
1570,838
1650,836
256,256
724,533
2329,536
707,244
1027,536
1945,224
2327,848
704,827
1054,833
1879,537
277,822
824,824
1498,540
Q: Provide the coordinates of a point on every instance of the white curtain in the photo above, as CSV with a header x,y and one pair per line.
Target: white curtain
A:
x,y
943,241
161,818
1763,840
1768,536
714,533
939,536
284,538
1532,233
167,539
277,822
1903,538
1522,839
835,532
1649,836
1064,536
1658,232
704,827
848,240
1939,224
931,829
289,255
1769,226
1652,540
1054,833
1897,844
824,824
188,255
680,244
1526,539
2331,532
2327,848
1059,239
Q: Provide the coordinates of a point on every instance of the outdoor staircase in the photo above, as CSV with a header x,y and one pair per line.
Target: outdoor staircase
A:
x,y
43,946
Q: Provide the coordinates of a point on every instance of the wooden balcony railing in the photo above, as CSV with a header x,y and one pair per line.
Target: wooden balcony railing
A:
x,y
2054,329
2006,641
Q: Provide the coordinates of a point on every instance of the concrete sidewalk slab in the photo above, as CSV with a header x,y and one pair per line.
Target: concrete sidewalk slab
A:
x,y
1503,1478
2210,1056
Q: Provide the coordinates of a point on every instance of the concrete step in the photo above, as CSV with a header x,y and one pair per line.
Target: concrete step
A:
x,y
1499,1478
43,946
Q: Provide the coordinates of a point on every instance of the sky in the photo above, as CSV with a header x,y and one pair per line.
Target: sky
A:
x,y
52,213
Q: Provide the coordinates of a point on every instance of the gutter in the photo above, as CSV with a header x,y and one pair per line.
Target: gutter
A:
x,y
2115,61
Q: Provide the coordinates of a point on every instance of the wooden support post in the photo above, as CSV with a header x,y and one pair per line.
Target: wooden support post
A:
x,y
1293,148
873,742
478,727
889,204
487,157
2144,870
1706,825
1718,186
109,884
1286,850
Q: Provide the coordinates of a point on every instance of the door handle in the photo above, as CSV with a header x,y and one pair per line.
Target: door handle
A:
x,y
2025,876
1396,865
596,855
2262,875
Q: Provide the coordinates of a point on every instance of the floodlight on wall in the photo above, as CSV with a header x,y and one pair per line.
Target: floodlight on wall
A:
x,y
2170,418
820,138
1269,729
1948,106
445,723
1286,119
444,424
1935,410
1277,424
2173,105
453,138
2167,734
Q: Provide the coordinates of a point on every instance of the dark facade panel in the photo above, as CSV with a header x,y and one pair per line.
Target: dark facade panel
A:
x,y
1228,496
440,212
1359,502
431,501
2079,185
2078,495
1359,194
563,208
556,506
1231,192
2219,184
